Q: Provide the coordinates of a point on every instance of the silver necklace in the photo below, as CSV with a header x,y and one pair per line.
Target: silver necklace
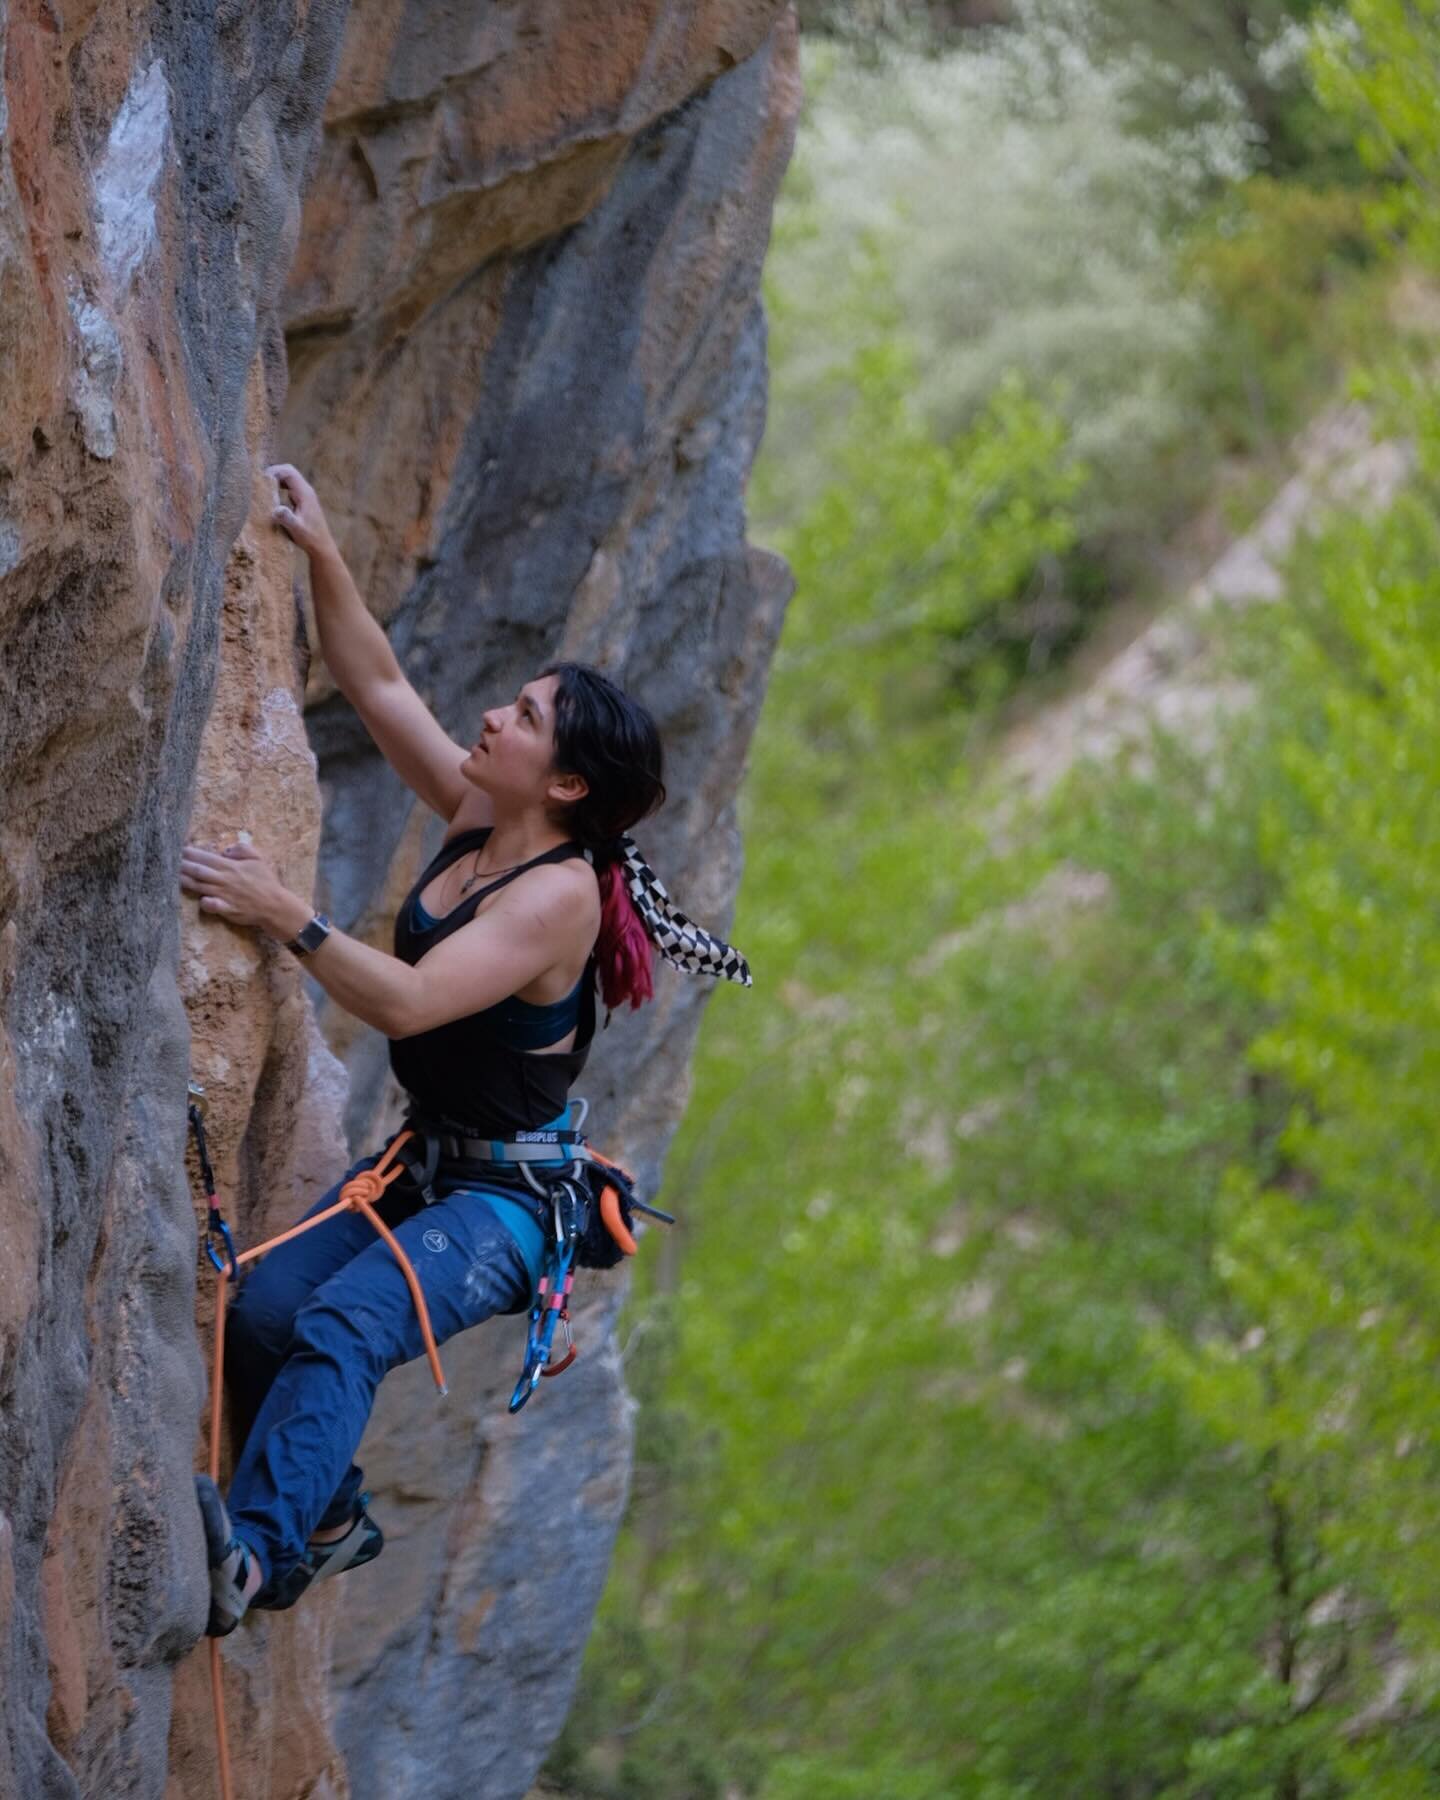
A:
x,y
490,874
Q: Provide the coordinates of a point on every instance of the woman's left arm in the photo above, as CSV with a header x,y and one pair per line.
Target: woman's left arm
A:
x,y
520,935
239,886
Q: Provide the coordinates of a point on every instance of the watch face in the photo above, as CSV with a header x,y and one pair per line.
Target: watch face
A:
x,y
314,934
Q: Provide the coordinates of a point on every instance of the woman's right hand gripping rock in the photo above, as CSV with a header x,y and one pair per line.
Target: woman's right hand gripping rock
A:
x,y
300,514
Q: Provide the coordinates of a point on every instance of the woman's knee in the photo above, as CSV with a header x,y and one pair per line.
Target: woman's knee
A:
x,y
329,1327
262,1315
256,1326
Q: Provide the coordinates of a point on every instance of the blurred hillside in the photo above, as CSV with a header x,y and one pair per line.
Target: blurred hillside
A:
x,y
1038,1399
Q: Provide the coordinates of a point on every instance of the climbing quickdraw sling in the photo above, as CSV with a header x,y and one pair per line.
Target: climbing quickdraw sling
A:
x,y
215,1226
552,1294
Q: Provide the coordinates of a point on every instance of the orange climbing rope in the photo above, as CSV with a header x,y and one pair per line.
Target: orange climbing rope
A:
x,y
359,1194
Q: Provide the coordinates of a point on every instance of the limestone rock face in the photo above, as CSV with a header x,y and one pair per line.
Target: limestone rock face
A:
x,y
504,260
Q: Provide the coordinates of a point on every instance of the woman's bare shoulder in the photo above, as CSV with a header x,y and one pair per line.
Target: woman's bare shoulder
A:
x,y
574,878
565,892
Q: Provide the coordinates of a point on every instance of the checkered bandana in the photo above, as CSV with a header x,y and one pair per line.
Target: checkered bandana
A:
x,y
678,939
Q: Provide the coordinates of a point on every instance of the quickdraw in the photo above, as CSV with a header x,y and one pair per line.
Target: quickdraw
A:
x,y
215,1225
552,1296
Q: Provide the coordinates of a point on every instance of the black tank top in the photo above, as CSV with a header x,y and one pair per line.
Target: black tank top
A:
x,y
465,1071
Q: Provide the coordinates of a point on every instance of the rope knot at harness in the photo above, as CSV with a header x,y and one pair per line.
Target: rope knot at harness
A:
x,y
365,1188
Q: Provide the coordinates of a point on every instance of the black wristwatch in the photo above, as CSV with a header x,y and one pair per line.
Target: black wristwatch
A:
x,y
312,937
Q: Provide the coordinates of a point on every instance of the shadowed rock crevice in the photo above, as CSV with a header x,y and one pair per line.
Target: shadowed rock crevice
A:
x,y
550,461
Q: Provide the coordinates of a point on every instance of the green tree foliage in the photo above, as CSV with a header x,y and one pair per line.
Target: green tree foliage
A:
x,y
1281,263
917,543
1376,65
1252,49
922,24
1025,221
1195,40
1052,1409
1334,1270
999,1459
1058,202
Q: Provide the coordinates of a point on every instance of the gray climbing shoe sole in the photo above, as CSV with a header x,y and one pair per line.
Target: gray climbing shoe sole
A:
x,y
229,1561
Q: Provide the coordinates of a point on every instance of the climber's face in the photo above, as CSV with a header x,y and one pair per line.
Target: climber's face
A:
x,y
514,760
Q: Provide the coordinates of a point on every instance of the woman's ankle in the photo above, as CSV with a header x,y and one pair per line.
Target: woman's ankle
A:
x,y
254,1574
332,1534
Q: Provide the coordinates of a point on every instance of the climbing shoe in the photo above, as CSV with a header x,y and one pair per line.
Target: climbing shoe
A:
x,y
229,1558
362,1543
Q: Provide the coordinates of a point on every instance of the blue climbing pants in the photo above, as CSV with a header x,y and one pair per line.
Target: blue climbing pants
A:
x,y
320,1320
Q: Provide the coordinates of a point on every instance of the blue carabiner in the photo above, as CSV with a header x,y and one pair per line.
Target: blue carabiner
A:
x,y
525,1386
540,1335
218,1224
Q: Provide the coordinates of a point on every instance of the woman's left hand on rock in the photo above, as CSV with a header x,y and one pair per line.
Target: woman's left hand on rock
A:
x,y
236,884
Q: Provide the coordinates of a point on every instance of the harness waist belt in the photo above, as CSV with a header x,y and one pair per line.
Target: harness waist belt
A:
x,y
537,1147
558,1148
499,1150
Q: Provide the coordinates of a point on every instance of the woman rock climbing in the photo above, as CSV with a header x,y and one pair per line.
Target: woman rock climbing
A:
x,y
536,897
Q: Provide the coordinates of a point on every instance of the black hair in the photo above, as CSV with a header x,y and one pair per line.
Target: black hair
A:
x,y
612,741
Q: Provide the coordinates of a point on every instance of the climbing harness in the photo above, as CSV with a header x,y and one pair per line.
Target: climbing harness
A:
x,y
583,1228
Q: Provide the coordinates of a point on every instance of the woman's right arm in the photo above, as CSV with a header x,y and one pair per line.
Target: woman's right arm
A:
x,y
358,654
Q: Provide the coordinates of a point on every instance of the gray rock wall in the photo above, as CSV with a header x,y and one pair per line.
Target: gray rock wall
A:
x,y
150,168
